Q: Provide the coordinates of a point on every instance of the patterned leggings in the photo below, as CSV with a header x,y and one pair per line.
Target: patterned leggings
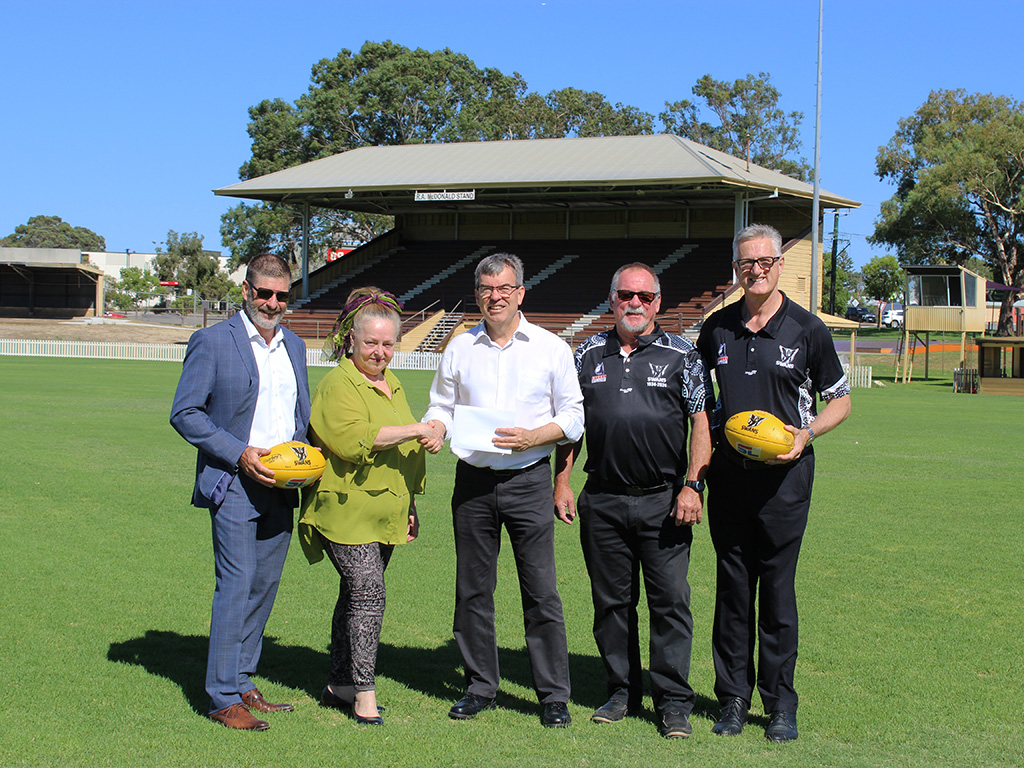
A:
x,y
355,630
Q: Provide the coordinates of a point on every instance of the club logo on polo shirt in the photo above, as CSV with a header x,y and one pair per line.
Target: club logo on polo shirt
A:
x,y
723,355
599,374
657,377
786,356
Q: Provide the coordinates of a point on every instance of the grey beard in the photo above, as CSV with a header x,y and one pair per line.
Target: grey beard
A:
x,y
258,320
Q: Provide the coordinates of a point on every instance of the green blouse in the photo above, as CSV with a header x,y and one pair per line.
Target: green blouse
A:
x,y
363,496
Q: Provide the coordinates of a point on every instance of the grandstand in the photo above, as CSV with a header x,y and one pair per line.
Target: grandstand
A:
x,y
573,209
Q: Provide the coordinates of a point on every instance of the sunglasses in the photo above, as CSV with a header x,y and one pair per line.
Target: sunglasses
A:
x,y
264,294
645,296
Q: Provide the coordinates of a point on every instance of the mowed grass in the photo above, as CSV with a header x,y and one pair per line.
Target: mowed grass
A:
x,y
910,588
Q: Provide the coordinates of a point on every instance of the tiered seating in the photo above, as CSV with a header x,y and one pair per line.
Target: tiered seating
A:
x,y
578,283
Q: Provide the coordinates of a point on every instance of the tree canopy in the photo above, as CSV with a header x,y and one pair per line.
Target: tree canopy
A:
x,y
388,94
53,232
750,124
182,258
883,278
958,167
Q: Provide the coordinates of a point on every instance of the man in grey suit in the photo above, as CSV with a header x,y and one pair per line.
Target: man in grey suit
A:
x,y
243,389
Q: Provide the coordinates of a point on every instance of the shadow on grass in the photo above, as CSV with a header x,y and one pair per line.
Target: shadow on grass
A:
x,y
434,672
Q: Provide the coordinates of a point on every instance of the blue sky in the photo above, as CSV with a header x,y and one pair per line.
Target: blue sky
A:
x,y
122,116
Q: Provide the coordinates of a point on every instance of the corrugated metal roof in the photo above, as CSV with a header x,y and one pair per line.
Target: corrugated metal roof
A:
x,y
609,161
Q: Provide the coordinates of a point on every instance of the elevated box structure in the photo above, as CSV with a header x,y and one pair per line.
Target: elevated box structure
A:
x,y
941,299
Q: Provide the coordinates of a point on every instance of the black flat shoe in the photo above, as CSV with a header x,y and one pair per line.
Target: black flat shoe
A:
x,y
329,699
378,720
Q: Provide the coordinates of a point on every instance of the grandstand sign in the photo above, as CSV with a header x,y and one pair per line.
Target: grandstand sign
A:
x,y
426,197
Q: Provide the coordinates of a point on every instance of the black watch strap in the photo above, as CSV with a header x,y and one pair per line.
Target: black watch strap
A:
x,y
697,485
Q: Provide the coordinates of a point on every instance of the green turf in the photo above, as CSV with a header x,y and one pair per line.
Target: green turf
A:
x,y
910,598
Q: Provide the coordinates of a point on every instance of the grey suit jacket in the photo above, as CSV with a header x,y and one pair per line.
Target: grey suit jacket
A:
x,y
216,398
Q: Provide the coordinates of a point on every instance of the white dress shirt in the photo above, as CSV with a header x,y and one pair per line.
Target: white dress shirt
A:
x,y
533,375
273,421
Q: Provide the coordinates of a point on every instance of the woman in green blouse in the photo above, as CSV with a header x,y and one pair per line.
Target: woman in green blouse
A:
x,y
363,505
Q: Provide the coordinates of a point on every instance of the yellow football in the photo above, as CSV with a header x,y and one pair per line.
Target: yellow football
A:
x,y
758,435
295,464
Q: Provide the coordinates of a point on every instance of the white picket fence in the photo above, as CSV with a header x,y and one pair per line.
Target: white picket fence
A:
x,y
858,375
115,350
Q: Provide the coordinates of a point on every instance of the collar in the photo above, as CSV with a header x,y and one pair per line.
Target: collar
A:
x,y
613,345
774,324
353,373
523,331
253,332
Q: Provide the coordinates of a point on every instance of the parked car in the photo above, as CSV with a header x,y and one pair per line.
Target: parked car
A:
x,y
860,315
892,316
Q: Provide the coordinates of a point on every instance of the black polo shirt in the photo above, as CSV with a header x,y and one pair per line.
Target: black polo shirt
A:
x,y
780,369
637,408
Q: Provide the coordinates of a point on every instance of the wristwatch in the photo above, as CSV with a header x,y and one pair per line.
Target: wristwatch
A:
x,y
697,485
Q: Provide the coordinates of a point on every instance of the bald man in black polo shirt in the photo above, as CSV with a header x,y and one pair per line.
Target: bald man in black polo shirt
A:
x,y
644,390
768,354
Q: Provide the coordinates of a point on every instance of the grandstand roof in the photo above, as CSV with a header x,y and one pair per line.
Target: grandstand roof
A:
x,y
650,170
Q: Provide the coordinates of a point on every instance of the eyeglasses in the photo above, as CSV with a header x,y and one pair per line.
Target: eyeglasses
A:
x,y
765,263
504,291
645,296
264,294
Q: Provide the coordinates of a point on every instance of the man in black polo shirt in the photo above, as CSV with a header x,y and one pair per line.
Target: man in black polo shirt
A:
x,y
643,391
769,354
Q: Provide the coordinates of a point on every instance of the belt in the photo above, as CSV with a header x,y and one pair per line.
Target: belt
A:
x,y
599,486
746,463
506,473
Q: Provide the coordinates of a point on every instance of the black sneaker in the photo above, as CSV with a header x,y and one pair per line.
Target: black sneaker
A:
x,y
612,711
675,725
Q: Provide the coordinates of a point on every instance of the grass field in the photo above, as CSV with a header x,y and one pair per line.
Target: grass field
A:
x,y
910,582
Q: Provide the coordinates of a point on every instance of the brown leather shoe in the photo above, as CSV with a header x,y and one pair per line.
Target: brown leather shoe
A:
x,y
238,716
254,700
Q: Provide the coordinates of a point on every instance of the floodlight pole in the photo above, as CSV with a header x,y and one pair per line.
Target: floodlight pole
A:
x,y
815,206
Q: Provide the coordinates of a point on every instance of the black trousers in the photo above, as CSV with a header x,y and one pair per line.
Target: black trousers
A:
x,y
482,502
757,519
623,536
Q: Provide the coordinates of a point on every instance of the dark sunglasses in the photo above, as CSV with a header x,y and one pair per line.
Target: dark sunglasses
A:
x,y
264,294
645,296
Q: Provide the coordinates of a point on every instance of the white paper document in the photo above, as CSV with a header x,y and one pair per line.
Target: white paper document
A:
x,y
473,428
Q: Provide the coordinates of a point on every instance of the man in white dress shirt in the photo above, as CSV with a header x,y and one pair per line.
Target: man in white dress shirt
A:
x,y
508,364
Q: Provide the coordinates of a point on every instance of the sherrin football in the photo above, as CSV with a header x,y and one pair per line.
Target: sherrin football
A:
x,y
758,435
295,464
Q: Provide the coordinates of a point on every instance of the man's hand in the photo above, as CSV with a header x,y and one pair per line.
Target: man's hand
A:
x,y
432,437
688,507
252,466
414,525
800,439
514,438
565,503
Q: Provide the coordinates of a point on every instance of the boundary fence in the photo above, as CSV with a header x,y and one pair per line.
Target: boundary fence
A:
x,y
858,375
175,353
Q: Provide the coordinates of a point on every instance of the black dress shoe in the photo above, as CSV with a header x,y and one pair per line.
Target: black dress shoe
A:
x,y
555,715
612,711
469,706
781,726
731,720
